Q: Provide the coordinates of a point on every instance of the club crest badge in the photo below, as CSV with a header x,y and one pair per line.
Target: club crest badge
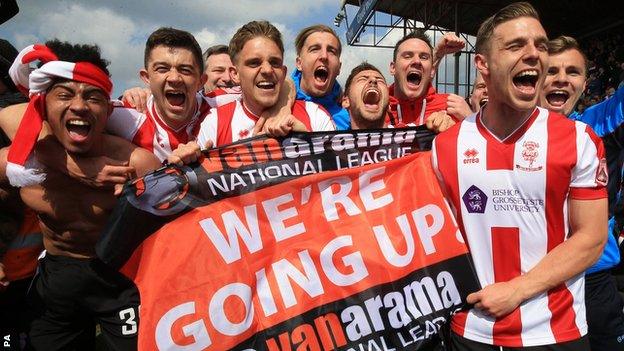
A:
x,y
475,200
602,174
530,152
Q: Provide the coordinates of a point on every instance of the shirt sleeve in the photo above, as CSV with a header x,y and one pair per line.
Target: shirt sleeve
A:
x,y
590,175
320,120
124,122
208,129
220,97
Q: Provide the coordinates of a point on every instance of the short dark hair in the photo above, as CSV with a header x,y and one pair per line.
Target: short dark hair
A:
x,y
215,50
252,30
317,28
364,66
417,34
174,38
564,43
507,13
66,51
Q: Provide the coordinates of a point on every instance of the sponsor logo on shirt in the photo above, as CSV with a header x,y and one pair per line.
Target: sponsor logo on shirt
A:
x,y
475,200
470,156
529,154
513,200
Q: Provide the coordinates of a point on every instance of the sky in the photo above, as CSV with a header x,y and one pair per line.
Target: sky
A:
x,y
121,28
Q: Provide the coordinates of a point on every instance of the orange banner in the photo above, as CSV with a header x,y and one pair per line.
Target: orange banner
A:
x,y
326,261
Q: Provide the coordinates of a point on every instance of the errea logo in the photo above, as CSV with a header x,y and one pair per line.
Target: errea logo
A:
x,y
470,156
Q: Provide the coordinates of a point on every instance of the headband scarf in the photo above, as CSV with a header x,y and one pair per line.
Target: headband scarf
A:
x,y
35,84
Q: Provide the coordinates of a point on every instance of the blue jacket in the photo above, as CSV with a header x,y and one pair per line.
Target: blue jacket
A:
x,y
607,120
329,102
604,117
610,255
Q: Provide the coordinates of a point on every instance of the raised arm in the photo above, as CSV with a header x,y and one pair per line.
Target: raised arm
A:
x,y
449,44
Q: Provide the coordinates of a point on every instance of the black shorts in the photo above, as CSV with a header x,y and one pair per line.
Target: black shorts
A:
x,y
459,343
605,318
69,296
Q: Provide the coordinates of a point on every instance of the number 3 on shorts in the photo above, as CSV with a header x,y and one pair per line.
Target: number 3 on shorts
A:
x,y
127,316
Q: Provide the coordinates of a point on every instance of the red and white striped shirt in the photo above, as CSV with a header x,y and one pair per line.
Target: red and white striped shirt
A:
x,y
149,131
510,198
233,122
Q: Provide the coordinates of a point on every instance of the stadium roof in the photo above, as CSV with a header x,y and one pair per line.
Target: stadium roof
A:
x,y
578,18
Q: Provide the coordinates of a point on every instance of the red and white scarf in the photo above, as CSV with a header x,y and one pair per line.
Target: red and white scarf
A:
x,y
35,83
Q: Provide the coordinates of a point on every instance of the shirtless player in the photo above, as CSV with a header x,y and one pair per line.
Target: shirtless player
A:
x,y
73,290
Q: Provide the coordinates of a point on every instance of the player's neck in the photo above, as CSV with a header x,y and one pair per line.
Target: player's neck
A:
x,y
401,95
254,109
361,123
175,124
502,120
303,85
98,148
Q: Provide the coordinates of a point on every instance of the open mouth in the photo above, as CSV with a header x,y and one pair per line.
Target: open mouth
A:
x,y
266,85
321,74
526,81
78,129
483,102
371,98
414,78
557,98
175,98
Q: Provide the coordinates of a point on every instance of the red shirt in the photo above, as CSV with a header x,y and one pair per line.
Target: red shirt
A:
x,y
403,112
